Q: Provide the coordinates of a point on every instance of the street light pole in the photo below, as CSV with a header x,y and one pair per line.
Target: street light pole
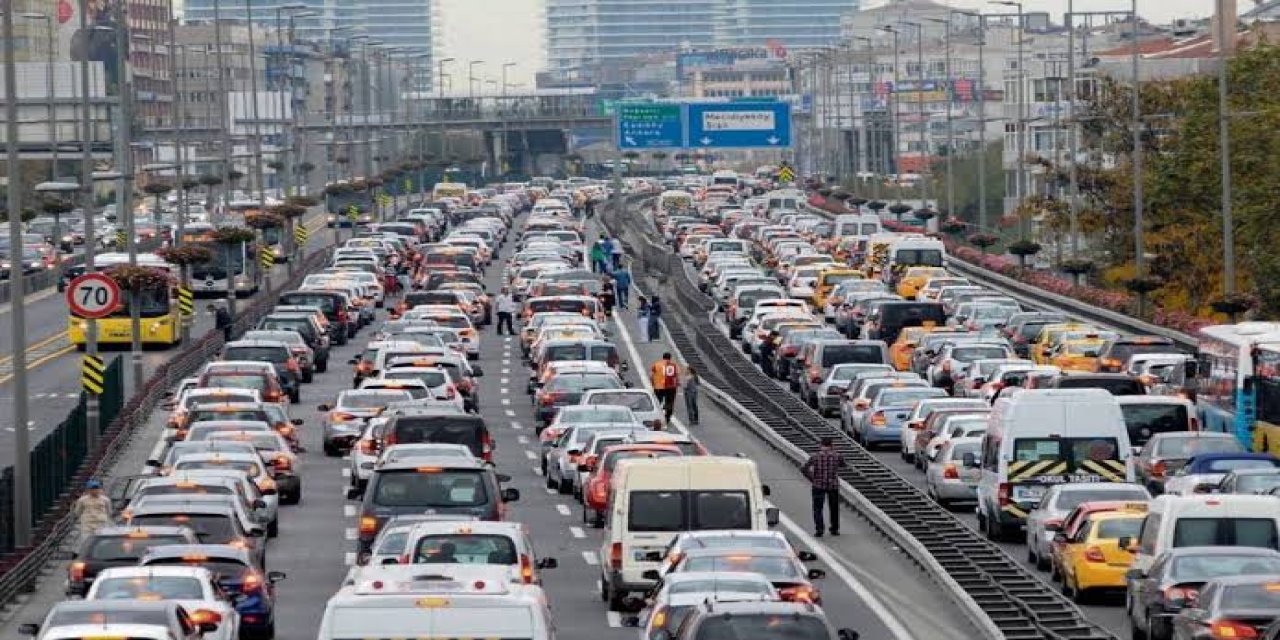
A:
x,y
254,113
924,118
471,77
224,108
51,95
439,106
1073,137
124,195
92,413
1224,151
17,325
893,96
951,137
1139,241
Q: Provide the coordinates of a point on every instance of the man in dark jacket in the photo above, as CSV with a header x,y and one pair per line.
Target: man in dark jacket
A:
x,y
222,321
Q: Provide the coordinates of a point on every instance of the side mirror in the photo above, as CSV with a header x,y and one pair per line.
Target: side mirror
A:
x,y
297,422
772,516
1060,537
847,634
29,629
650,574
1205,487
765,490
387,561
1124,543
353,493
502,477
354,361
548,563
628,384
816,574
276,576
510,495
806,556
476,371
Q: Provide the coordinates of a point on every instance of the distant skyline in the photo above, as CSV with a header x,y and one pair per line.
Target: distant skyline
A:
x,y
498,31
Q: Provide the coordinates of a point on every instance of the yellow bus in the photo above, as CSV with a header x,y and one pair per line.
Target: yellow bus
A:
x,y
158,306
449,190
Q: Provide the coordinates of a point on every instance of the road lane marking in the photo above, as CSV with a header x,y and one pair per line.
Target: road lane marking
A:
x,y
350,533
349,510
520,439
505,391
349,558
40,361
563,509
530,455
510,413
346,472
506,371
590,558
516,425
36,345
537,471
613,618
577,532
506,401
505,381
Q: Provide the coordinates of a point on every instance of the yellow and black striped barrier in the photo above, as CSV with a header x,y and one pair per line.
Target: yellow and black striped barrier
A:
x,y
186,301
786,174
1109,470
300,235
122,238
1023,470
267,258
93,374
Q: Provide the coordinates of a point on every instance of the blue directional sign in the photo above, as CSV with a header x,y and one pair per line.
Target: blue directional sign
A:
x,y
650,126
739,125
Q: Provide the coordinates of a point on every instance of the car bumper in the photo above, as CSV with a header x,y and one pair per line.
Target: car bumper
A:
x,y
342,436
952,490
882,434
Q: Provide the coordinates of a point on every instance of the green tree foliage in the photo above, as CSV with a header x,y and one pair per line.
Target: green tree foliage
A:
x,y
964,169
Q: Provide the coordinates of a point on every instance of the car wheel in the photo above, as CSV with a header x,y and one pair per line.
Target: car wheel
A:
x,y
309,375
604,588
273,529
551,484
322,366
616,600
564,486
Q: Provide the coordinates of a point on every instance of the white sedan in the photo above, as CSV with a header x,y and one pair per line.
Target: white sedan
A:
x,y
195,588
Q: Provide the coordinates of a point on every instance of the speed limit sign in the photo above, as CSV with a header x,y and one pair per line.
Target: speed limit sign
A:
x,y
93,295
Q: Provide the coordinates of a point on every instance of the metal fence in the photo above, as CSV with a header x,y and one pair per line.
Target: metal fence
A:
x,y
57,457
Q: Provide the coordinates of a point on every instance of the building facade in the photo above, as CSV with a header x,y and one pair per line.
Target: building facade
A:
x,y
581,34
797,24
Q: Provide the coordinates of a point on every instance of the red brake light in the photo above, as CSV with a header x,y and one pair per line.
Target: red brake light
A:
x,y
252,581
1232,630
1002,493
615,556
950,472
77,570
368,525
877,419
1094,554
526,569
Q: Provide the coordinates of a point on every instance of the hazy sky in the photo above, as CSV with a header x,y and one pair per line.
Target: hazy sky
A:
x,y
499,31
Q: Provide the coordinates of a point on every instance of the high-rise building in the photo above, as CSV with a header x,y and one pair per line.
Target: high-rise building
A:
x,y
583,34
794,24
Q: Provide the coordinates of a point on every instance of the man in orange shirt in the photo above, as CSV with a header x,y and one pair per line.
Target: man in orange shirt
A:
x,y
665,374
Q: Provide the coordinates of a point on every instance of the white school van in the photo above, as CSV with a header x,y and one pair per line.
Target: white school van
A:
x,y
1230,520
656,499
1042,437
436,601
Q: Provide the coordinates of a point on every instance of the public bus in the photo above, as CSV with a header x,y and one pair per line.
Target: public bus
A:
x,y
161,321
238,261
1238,382
449,190
273,237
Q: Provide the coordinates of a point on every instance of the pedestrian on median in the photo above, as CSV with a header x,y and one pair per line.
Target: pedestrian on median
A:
x,y
655,318
598,254
506,305
643,314
692,383
222,321
622,282
92,510
665,375
823,471
616,252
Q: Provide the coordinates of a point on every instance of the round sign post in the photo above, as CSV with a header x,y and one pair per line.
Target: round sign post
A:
x,y
93,295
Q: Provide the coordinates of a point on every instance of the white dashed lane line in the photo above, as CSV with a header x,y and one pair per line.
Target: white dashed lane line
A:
x,y
577,532
349,510
590,558
530,455
563,509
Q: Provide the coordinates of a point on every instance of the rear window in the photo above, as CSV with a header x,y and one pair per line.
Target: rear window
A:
x,y
1123,351
124,548
1225,532
1114,386
634,401
688,510
1228,465
429,378
1072,450
328,304
856,353
237,381
463,430
1116,528
210,528
108,615
435,488
775,568
209,415
1194,445
582,382
762,627
1257,597
465,549
969,354
1146,420
151,588
1068,500
611,460
558,304
1207,567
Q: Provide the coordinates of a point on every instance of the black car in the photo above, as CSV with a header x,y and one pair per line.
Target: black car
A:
x,y
443,486
117,547
889,318
420,425
1174,581
1234,607
333,304
311,334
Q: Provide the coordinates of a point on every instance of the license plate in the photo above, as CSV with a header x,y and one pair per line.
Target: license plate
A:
x,y
1028,493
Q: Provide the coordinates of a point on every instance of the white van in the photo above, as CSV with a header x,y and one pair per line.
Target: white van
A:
x,y
1206,521
448,601
784,199
857,224
916,252
656,499
1042,437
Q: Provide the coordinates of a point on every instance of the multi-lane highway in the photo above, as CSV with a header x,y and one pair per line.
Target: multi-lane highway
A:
x,y
870,586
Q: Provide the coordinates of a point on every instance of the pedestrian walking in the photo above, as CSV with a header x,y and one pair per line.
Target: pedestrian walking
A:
x,y
92,510
823,471
655,318
665,374
767,347
692,383
222,321
643,314
598,254
622,283
616,252
506,306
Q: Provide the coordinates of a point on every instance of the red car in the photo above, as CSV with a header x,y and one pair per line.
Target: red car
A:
x,y
598,489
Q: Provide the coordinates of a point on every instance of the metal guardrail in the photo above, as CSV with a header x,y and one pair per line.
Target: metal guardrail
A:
x,y
1047,300
972,570
20,570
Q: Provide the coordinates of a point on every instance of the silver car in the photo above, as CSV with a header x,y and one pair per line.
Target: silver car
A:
x,y
832,388
1046,519
346,418
953,476
1165,453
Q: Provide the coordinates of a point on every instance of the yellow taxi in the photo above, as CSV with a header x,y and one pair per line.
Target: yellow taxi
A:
x,y
1096,558
1048,337
827,281
915,277
902,348
1077,352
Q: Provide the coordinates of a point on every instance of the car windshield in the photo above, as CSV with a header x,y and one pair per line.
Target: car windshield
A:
x,y
640,402
373,400
465,549
969,354
758,626
596,414
1257,482
210,415
841,353
237,381
1068,500
256,354
431,487
1202,568
775,568
1116,528
150,588
128,548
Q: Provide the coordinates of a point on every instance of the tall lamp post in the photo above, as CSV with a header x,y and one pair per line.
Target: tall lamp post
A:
x,y
951,135
51,93
893,96
471,77
1224,149
1022,119
924,118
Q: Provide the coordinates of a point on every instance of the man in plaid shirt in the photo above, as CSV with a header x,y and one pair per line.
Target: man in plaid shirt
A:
x,y
823,471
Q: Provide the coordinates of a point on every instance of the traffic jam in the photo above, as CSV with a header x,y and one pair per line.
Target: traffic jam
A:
x,y
405,364
1083,444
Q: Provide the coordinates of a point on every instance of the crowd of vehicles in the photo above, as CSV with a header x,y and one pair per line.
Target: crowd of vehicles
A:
x,y
1122,461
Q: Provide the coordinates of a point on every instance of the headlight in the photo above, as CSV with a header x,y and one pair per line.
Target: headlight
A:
x,y
66,238
242,280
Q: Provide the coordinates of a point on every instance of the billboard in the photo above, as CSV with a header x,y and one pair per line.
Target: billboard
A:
x,y
97,43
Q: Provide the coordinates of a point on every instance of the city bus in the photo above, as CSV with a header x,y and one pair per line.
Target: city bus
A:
x,y
448,190
272,237
161,320
1238,382
239,262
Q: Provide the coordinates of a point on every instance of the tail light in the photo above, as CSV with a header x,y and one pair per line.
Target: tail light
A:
x,y
1179,593
342,416
797,594
526,569
790,351
465,386
77,571
950,472
615,556
1003,491
251,582
1094,554
599,493
946,366
450,392
298,351
368,447
282,463
368,525
815,375
1020,339
486,444
292,365
1110,363
1232,630
273,396
550,398
1158,469
877,419
342,316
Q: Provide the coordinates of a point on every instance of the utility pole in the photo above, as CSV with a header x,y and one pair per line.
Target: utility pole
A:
x,y
893,96
1073,136
93,414
924,118
256,147
18,322
180,157
124,195
1139,242
951,136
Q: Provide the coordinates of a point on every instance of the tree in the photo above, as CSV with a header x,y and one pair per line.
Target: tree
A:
x,y
965,176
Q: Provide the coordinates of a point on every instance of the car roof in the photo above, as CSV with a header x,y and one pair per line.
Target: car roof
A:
x,y
208,550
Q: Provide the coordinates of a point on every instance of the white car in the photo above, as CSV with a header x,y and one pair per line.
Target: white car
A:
x,y
641,402
364,454
435,379
436,542
402,452
681,593
195,588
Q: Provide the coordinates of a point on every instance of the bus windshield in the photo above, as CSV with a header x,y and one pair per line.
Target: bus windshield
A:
x,y
151,303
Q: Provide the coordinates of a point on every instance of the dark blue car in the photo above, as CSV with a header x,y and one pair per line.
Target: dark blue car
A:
x,y
1204,472
251,589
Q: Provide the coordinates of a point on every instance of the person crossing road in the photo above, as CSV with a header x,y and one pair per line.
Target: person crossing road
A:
x,y
665,374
